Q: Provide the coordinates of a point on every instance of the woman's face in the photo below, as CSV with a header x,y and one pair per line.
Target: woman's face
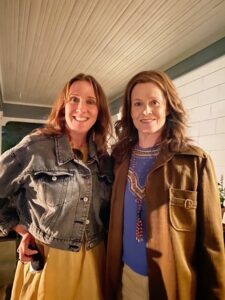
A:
x,y
148,110
81,110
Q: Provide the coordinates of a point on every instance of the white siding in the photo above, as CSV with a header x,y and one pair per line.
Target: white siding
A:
x,y
203,93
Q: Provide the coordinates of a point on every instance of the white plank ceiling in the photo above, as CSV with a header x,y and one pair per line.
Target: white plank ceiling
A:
x,y
43,43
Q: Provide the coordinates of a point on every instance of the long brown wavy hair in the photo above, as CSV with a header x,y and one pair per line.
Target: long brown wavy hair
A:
x,y
174,135
102,129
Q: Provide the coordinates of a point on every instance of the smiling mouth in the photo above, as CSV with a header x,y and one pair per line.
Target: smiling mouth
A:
x,y
80,119
147,120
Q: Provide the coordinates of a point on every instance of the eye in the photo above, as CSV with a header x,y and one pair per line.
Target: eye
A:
x,y
91,101
137,103
74,99
155,103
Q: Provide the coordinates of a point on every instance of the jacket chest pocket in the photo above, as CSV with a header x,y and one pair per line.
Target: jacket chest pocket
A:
x,y
182,209
52,187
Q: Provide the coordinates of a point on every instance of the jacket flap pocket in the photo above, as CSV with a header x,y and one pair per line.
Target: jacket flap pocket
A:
x,y
52,186
52,173
182,209
183,198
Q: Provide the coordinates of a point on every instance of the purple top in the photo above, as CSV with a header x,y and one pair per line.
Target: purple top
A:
x,y
134,252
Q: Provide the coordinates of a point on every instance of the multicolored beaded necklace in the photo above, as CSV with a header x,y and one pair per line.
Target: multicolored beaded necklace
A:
x,y
138,190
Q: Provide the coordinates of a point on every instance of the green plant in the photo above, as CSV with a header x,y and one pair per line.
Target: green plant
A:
x,y
222,191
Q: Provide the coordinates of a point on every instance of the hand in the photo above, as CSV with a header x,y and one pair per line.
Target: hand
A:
x,y
27,241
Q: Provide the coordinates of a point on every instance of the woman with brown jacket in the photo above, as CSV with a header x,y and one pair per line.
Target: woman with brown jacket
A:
x,y
165,236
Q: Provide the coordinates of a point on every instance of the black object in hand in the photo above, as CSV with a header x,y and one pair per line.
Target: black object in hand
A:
x,y
37,261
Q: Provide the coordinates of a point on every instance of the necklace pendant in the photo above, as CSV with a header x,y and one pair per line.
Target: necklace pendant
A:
x,y
139,239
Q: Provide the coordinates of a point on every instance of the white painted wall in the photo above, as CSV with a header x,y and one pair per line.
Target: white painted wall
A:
x,y
203,93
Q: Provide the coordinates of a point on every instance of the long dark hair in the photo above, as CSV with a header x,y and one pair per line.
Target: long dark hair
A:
x,y
174,136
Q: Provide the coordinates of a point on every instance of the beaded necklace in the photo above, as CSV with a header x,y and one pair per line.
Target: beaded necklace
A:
x,y
139,191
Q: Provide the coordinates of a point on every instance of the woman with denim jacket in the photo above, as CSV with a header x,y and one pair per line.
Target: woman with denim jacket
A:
x,y
55,187
165,237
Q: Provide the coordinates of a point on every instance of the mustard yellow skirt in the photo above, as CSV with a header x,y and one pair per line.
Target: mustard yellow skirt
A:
x,y
66,275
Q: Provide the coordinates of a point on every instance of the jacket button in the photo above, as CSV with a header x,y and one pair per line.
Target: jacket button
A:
x,y
87,222
188,203
85,199
54,178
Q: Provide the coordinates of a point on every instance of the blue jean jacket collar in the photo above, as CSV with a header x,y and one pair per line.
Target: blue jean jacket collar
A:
x,y
64,152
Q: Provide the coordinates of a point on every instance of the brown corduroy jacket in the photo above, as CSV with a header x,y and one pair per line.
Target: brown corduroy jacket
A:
x,y
185,246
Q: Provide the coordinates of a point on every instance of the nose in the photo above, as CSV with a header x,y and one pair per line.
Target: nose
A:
x,y
81,106
147,110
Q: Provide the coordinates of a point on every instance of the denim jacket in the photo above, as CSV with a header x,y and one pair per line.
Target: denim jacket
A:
x,y
61,200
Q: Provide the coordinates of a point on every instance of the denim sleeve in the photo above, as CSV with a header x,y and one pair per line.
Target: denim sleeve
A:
x,y
10,173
